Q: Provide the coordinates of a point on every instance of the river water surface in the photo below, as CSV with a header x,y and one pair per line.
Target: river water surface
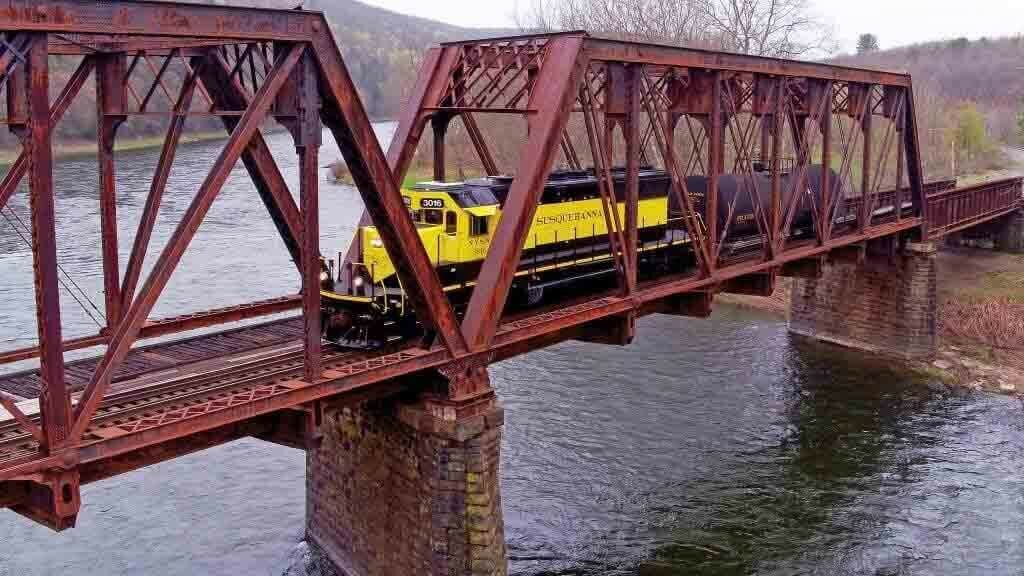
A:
x,y
718,446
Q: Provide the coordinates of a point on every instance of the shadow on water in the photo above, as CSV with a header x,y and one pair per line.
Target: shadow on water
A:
x,y
796,505
760,454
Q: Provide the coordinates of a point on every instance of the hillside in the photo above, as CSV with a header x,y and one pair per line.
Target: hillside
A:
x,y
382,48
985,72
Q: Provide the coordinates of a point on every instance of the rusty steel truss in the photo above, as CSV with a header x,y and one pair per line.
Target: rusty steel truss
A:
x,y
587,103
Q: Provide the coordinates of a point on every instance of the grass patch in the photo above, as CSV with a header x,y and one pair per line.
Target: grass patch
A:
x,y
416,174
71,150
1004,285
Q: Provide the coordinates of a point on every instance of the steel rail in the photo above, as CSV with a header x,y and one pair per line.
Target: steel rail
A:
x,y
126,403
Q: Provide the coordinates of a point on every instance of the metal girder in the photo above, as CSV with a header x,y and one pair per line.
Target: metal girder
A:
x,y
55,402
660,55
168,19
257,158
129,327
345,116
554,95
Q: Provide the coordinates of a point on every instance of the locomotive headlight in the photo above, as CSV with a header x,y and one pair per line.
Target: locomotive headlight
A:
x,y
358,282
376,243
324,276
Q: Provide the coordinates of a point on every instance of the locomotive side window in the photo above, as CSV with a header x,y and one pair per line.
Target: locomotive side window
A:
x,y
435,217
478,225
451,225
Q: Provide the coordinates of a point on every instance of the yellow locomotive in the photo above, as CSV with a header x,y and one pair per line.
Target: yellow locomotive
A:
x,y
363,300
566,248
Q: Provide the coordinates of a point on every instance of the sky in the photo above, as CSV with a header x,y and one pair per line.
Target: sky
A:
x,y
895,22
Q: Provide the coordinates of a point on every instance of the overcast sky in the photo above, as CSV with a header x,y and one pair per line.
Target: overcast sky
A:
x,y
895,22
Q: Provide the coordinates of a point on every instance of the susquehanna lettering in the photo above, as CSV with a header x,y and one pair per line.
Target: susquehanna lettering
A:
x,y
570,217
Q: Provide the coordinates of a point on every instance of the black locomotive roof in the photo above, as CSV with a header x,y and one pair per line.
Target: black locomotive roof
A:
x,y
492,190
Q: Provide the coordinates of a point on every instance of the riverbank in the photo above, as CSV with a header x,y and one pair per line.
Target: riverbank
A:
x,y
981,319
69,150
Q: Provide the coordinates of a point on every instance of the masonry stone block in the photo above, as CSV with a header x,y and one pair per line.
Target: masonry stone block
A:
x,y
1010,235
393,489
880,304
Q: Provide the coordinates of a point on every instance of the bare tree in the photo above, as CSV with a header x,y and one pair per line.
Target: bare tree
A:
x,y
672,21
786,28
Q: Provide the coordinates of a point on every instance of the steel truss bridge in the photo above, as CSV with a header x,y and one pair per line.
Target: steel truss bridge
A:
x,y
587,102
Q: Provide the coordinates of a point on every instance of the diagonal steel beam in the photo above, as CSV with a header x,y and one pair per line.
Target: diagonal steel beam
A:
x,y
345,116
157,188
554,93
22,419
67,96
128,330
258,159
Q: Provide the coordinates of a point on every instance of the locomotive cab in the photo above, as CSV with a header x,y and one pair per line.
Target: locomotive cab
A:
x,y
455,222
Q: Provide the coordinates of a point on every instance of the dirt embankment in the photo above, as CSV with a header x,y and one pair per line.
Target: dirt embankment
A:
x,y
981,318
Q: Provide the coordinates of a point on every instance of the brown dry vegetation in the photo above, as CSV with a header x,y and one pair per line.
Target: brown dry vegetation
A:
x,y
981,304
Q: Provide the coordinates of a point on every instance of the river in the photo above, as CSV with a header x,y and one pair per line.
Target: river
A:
x,y
718,446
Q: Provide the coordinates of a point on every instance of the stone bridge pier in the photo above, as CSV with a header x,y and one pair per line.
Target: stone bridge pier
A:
x,y
1009,235
1005,234
410,485
882,301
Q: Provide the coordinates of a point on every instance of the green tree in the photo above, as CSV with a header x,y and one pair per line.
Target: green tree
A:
x,y
969,133
867,43
1020,123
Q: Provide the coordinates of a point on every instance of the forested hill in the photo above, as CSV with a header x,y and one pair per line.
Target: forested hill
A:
x,y
382,48
986,72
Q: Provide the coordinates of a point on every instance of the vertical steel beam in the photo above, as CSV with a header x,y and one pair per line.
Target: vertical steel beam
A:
x,y
900,160
631,134
910,140
778,117
553,96
308,135
824,214
439,122
716,159
111,107
864,218
54,400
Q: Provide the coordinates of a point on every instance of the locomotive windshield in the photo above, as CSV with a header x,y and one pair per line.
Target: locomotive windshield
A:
x,y
474,195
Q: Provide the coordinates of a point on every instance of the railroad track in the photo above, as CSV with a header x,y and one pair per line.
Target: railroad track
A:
x,y
16,443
